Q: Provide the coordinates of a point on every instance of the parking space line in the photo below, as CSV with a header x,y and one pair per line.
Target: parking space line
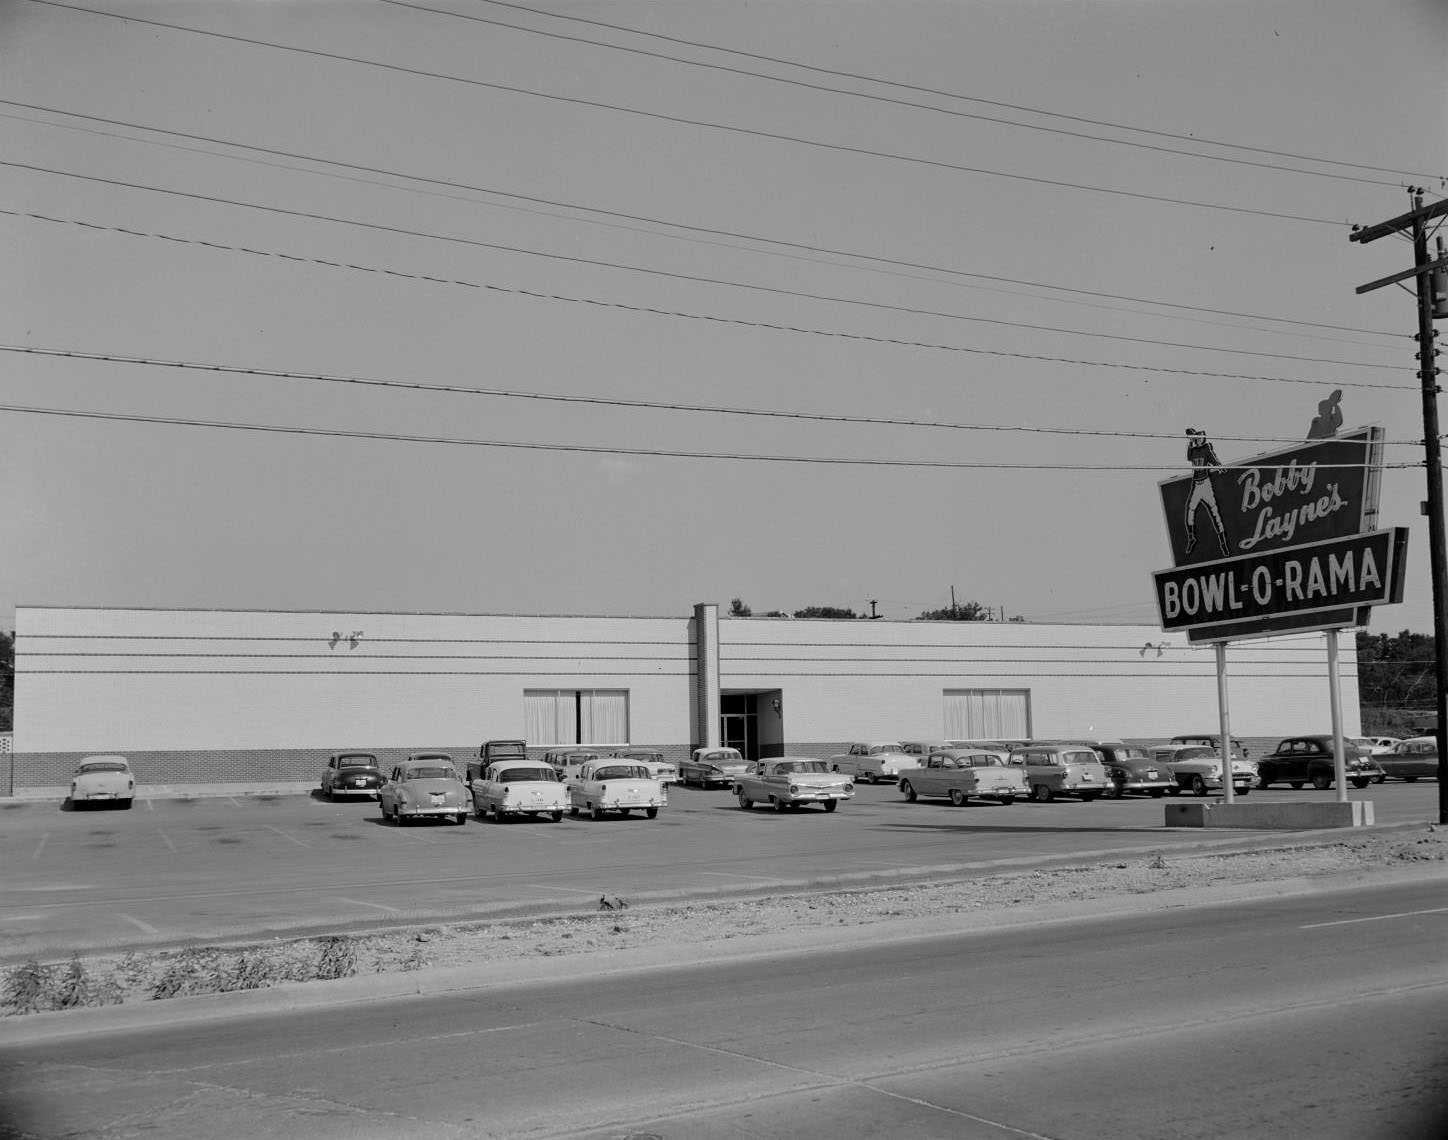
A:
x,y
41,847
731,875
167,838
144,927
284,835
551,887
364,902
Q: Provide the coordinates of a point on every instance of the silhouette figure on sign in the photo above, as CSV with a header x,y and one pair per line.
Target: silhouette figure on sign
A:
x,y
1328,418
1205,464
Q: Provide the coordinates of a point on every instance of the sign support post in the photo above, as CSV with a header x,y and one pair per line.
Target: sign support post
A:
x,y
1224,725
1334,697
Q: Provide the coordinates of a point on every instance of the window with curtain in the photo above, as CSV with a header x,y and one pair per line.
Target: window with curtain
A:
x,y
988,714
575,716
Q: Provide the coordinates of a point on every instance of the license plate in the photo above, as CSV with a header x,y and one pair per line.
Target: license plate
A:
x,y
359,783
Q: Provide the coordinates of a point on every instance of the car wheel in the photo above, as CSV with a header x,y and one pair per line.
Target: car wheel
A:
x,y
1361,782
327,792
651,813
779,804
573,811
1322,781
1006,801
595,811
1042,794
1409,779
1295,785
1087,797
1199,786
1156,793
830,805
745,803
1244,791
908,790
1117,790
957,797
461,818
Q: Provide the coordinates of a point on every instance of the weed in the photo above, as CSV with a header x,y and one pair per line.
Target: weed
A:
x,y
28,987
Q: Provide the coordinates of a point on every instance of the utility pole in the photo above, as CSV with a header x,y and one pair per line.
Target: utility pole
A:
x,y
1432,302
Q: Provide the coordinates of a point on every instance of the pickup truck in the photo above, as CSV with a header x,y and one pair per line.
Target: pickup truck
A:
x,y
792,782
492,751
610,784
510,788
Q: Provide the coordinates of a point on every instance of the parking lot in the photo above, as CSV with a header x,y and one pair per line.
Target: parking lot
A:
x,y
231,867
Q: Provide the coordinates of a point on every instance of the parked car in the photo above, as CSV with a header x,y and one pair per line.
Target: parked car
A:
x,y
653,760
1414,758
962,774
716,767
567,761
609,784
1197,768
1212,740
1131,769
424,786
1376,745
1299,760
879,762
103,779
509,788
920,749
491,751
792,782
352,774
1056,769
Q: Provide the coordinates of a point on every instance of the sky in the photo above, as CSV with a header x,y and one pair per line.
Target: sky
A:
x,y
616,307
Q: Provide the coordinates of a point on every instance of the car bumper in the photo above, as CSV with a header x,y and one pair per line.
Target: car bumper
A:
x,y
416,810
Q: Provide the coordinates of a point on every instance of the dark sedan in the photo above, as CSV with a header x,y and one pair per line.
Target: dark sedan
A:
x,y
1410,759
352,774
1300,760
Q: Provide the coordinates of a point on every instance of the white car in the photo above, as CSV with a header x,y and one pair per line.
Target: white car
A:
x,y
715,767
510,788
102,779
609,784
878,761
792,782
962,774
653,760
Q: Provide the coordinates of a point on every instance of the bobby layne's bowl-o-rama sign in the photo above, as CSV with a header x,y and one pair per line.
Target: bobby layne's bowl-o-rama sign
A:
x,y
1267,537
1222,598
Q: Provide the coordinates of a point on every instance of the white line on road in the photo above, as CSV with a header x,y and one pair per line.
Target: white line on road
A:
x,y
363,902
167,838
145,927
284,835
551,887
1374,918
41,848
730,875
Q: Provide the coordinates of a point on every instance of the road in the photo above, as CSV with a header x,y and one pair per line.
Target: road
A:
x,y
168,871
1319,1017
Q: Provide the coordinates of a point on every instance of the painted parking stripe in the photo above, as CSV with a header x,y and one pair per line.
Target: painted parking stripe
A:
x,y
1375,918
41,847
284,835
167,839
144,927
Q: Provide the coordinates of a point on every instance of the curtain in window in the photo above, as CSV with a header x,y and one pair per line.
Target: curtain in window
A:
x,y
603,716
550,716
987,714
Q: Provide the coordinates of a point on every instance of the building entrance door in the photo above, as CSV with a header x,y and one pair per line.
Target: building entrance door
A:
x,y
737,730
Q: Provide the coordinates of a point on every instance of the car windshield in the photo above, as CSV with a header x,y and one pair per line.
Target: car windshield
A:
x,y
524,775
103,766
984,760
646,757
1131,754
353,762
879,749
621,772
802,766
432,772
1195,752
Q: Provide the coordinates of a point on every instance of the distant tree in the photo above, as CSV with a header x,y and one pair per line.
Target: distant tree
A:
x,y
968,611
7,681
824,612
737,608
1397,677
776,613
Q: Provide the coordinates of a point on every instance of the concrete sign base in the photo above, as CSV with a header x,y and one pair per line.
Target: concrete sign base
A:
x,y
1295,815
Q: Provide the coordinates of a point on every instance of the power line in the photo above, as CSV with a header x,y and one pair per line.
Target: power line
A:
x,y
896,263
908,103
681,314
1194,139
638,452
705,124
612,401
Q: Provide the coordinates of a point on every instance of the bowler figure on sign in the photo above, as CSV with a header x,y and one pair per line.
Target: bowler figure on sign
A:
x,y
1205,464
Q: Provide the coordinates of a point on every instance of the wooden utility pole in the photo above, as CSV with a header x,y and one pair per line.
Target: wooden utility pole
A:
x,y
1432,302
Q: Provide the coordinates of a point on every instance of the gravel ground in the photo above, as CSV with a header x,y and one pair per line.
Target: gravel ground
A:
x,y
614,924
